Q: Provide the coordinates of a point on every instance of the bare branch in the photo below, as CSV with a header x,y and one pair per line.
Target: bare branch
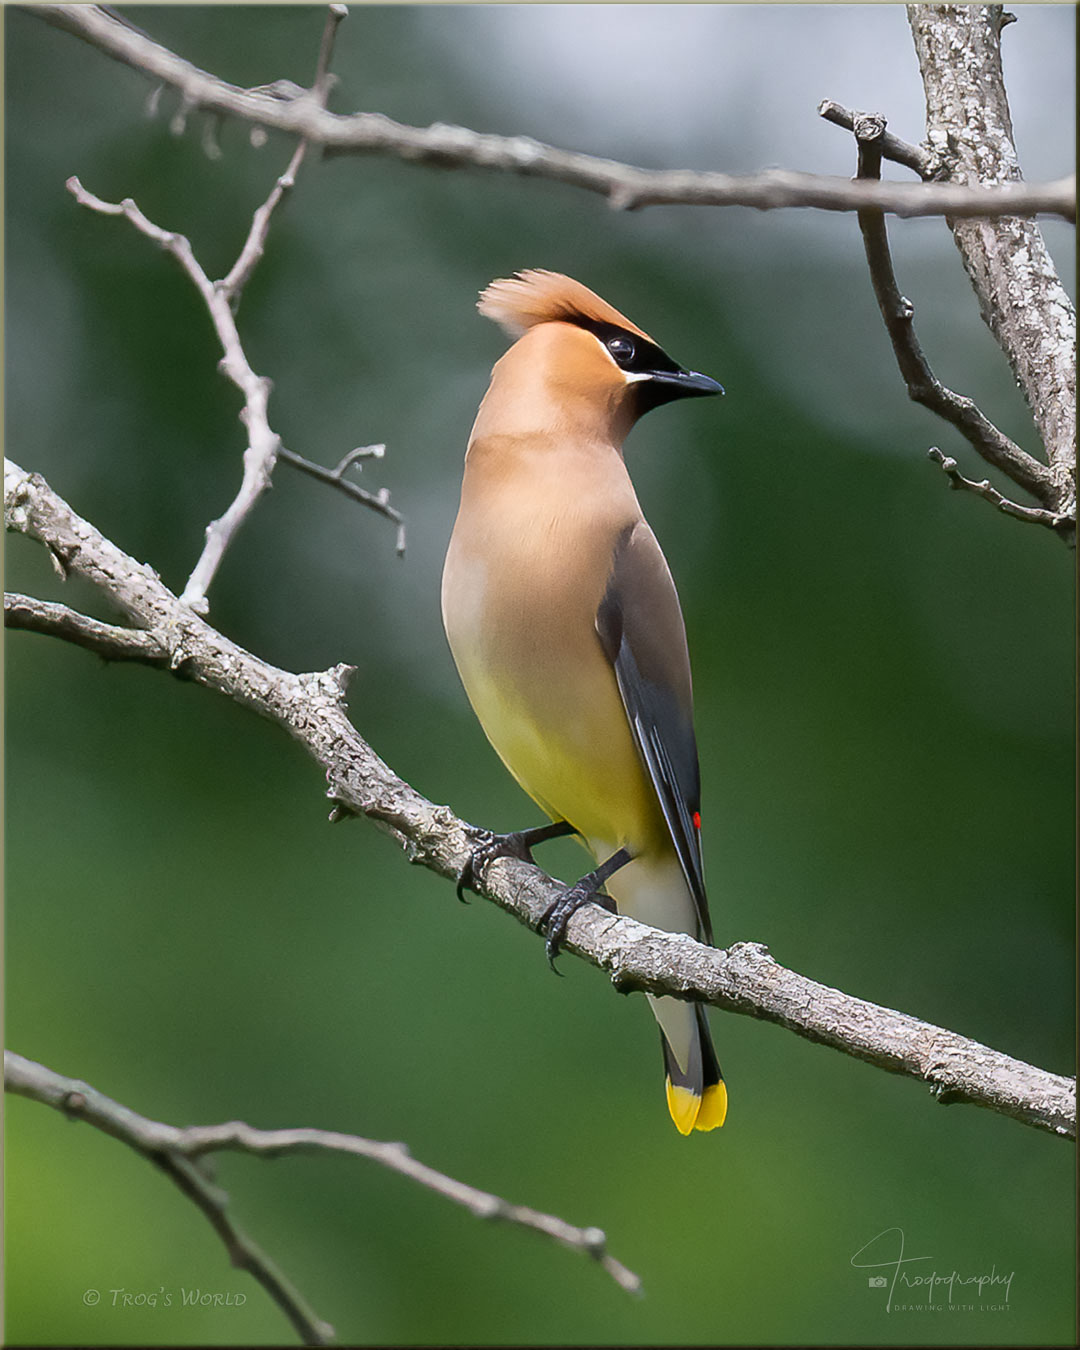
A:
x,y
744,979
263,442
923,386
109,641
1020,296
244,1253
255,243
891,147
163,1145
221,299
986,490
264,445
625,186
177,1152
377,501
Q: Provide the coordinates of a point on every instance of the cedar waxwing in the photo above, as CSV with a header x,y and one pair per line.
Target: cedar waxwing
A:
x,y
567,633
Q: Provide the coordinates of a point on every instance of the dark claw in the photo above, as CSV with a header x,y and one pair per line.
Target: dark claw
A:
x,y
553,922
469,875
490,846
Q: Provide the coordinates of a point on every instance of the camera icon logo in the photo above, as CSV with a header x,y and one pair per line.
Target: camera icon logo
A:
x,y
877,1282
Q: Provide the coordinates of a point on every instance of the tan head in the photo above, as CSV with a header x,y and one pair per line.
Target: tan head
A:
x,y
578,366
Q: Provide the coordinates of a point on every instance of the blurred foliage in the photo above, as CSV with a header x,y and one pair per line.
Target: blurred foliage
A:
x,y
885,707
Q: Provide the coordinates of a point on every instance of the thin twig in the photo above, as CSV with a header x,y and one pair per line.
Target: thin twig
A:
x,y
1035,514
745,979
326,48
244,1252
255,243
177,1151
377,501
106,639
625,186
923,386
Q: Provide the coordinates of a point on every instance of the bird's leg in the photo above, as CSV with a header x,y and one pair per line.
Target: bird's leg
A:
x,y
557,915
517,844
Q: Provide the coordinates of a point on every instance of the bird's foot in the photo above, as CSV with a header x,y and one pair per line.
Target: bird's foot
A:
x,y
554,920
490,846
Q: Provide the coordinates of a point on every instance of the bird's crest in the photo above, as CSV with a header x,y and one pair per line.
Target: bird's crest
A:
x,y
522,301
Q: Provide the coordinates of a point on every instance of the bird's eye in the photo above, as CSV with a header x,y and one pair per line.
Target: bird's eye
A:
x,y
622,349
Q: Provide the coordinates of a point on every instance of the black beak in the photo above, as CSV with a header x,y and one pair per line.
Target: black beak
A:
x,y
688,382
664,386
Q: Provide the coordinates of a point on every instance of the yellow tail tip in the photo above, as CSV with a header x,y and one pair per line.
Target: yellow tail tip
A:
x,y
713,1109
691,1112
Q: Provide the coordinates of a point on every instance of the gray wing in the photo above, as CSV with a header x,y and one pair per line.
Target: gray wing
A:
x,y
641,629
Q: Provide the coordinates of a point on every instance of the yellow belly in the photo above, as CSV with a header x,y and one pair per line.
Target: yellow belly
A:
x,y
545,694
570,747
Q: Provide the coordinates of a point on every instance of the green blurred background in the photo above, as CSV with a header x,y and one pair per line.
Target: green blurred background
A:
x,y
883,669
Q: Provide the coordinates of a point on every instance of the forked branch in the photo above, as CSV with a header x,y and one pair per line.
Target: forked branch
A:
x,y
177,1152
923,386
222,299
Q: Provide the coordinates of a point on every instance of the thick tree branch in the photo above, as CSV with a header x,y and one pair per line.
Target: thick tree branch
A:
x,y
744,979
178,1151
1021,298
923,386
625,186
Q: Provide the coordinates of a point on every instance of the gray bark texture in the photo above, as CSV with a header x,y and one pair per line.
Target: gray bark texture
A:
x,y
969,130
